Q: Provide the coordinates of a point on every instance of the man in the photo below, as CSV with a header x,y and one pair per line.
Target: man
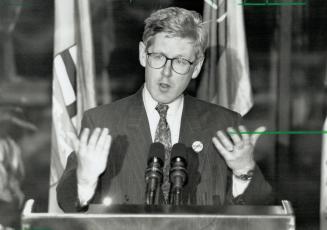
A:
x,y
110,165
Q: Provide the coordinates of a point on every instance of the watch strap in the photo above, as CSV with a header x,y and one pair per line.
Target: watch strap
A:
x,y
245,176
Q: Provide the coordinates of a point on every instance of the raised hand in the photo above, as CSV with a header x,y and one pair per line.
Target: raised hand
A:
x,y
92,154
237,150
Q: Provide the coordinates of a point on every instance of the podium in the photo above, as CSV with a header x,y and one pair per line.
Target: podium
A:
x,y
142,217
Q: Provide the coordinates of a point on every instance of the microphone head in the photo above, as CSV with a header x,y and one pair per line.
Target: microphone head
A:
x,y
179,150
156,150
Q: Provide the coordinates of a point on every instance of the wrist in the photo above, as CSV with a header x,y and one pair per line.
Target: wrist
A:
x,y
244,169
245,173
84,195
86,180
81,206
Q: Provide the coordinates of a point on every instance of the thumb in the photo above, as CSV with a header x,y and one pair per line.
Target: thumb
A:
x,y
257,134
73,141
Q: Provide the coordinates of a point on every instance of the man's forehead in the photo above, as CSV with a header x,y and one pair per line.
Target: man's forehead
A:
x,y
163,36
167,43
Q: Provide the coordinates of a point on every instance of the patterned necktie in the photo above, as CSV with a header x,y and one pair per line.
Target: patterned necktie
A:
x,y
163,136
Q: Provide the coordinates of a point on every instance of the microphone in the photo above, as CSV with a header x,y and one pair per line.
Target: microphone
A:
x,y
153,172
178,173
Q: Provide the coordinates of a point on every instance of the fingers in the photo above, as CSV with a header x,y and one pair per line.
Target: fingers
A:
x,y
225,145
94,136
238,142
104,141
223,151
107,144
102,137
234,140
237,147
225,141
257,134
244,133
246,137
84,137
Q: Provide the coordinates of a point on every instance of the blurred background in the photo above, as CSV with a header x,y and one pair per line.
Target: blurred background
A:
x,y
288,62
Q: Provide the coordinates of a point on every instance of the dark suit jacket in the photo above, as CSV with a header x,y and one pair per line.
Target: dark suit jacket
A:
x,y
123,180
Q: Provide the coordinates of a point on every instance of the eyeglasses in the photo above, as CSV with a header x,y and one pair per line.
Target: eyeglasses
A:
x,y
179,65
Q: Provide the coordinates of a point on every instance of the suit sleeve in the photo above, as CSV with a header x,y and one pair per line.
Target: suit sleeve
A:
x,y
258,192
67,187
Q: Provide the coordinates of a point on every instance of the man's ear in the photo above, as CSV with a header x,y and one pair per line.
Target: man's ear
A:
x,y
142,54
197,68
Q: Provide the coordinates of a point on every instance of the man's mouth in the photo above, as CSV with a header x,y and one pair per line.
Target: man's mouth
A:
x,y
164,87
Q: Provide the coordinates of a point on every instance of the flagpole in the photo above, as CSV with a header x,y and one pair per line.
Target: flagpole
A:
x,y
323,183
283,103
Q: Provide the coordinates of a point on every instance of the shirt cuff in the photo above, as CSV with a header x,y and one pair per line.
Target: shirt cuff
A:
x,y
239,186
86,192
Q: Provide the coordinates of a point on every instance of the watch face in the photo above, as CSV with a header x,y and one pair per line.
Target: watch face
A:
x,y
247,176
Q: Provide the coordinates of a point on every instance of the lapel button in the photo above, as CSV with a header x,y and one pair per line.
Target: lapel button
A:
x,y
197,146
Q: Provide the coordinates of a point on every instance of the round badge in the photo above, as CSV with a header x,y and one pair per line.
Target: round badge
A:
x,y
197,146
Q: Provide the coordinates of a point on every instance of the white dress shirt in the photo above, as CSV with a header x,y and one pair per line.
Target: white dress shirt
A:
x,y
174,115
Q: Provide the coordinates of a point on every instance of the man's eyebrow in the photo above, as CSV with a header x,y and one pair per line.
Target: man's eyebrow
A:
x,y
178,56
186,58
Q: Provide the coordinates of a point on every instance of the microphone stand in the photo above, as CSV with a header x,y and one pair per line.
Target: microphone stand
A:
x,y
178,178
151,189
153,177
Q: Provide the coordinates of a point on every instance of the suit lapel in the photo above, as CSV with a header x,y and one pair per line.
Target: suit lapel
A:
x,y
195,126
139,139
192,129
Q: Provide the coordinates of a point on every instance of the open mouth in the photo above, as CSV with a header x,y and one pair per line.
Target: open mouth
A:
x,y
164,87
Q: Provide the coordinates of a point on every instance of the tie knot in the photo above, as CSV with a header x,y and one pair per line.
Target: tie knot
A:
x,y
162,110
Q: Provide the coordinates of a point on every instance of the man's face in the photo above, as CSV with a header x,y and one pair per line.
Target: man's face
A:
x,y
164,84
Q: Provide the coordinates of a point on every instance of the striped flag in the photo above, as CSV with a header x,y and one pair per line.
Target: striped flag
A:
x,y
225,77
73,82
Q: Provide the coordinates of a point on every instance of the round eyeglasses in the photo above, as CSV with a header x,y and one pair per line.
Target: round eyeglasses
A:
x,y
179,65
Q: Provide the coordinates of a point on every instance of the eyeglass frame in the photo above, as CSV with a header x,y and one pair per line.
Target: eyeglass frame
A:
x,y
170,59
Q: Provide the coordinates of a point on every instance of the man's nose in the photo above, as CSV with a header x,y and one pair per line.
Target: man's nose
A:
x,y
167,68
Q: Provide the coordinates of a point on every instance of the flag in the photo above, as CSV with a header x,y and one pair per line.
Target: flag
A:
x,y
225,78
73,82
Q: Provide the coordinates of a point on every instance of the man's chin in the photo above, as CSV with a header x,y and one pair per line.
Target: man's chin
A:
x,y
164,100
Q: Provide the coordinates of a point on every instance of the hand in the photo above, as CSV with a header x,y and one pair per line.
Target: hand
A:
x,y
237,150
92,154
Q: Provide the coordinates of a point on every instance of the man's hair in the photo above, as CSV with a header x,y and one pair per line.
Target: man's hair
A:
x,y
177,22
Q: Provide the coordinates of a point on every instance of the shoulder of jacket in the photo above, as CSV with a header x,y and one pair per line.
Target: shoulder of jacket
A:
x,y
204,106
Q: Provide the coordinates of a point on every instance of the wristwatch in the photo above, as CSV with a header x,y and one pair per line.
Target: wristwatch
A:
x,y
245,176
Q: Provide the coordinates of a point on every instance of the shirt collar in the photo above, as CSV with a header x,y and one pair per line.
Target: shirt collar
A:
x,y
150,103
